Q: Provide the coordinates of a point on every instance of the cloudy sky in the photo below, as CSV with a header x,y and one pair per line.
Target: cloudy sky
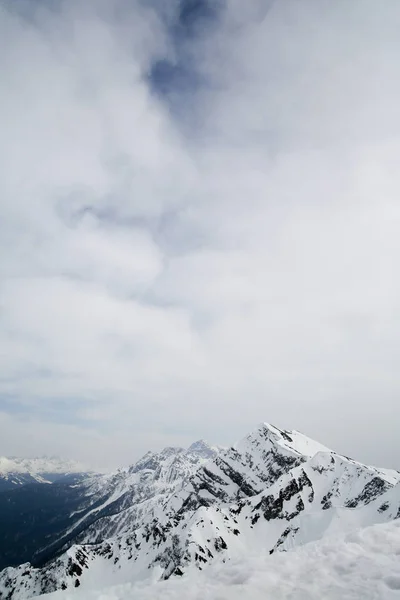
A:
x,y
199,224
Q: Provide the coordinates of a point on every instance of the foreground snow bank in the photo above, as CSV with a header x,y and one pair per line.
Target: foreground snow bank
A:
x,y
364,565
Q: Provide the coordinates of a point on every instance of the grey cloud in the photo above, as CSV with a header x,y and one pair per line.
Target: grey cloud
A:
x,y
179,282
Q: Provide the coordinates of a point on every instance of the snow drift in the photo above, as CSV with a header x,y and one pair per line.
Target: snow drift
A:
x,y
274,491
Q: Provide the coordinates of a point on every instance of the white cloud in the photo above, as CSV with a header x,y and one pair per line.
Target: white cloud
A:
x,y
176,285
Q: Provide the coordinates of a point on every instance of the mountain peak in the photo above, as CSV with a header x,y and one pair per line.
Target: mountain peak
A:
x,y
177,509
202,448
286,439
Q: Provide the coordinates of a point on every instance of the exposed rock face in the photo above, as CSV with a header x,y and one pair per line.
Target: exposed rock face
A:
x,y
275,489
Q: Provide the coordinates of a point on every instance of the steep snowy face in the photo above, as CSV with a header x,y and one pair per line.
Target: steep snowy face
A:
x,y
327,494
323,495
73,510
156,502
272,491
138,493
246,469
122,501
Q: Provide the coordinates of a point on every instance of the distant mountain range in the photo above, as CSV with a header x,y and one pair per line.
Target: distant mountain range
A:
x,y
180,510
38,521
16,471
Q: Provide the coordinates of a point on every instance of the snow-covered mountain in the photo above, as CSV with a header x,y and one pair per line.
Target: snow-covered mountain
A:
x,y
16,471
123,500
362,565
37,522
173,512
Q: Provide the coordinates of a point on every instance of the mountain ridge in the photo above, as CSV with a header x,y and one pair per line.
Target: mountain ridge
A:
x,y
273,490
89,508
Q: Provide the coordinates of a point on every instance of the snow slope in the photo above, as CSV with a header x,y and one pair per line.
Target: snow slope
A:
x,y
134,494
275,490
38,522
362,565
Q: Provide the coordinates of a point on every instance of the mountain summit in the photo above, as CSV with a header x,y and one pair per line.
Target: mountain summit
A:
x,y
179,510
203,449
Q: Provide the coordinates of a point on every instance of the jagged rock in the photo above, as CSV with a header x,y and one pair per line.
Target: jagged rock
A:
x,y
273,490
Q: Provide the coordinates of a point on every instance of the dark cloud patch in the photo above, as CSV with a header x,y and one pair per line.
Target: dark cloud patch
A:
x,y
177,78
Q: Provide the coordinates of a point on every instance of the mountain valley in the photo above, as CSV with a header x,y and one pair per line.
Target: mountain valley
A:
x,y
179,510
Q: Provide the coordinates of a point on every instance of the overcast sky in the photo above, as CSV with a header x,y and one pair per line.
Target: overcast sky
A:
x,y
199,224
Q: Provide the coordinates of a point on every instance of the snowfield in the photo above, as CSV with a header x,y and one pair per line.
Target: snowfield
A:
x,y
277,515
363,565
